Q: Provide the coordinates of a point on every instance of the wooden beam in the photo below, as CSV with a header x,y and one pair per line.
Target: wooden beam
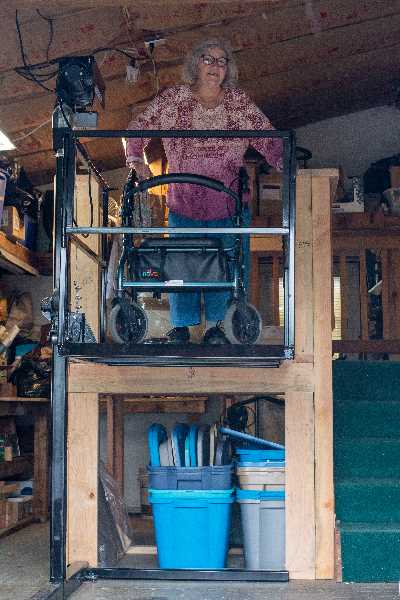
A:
x,y
276,273
82,478
364,299
304,335
116,440
162,404
344,293
366,346
299,491
113,379
395,295
323,401
387,334
83,269
255,279
365,240
192,407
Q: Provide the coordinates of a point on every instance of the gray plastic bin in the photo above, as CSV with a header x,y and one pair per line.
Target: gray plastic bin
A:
x,y
191,478
263,523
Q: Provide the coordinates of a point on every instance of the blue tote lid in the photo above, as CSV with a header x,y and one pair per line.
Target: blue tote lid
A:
x,y
257,455
259,495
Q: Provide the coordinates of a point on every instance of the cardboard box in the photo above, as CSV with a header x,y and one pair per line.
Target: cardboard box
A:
x,y
394,177
20,507
7,488
348,207
12,225
270,195
14,510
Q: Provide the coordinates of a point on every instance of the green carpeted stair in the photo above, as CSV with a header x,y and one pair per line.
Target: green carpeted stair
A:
x,y
367,468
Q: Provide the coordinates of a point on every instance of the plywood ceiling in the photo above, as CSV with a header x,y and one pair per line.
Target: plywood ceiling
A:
x,y
301,61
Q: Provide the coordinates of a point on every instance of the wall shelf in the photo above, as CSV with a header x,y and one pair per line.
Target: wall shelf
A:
x,y
17,466
15,258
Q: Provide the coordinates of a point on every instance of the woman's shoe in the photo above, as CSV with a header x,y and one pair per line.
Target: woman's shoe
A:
x,y
178,335
215,336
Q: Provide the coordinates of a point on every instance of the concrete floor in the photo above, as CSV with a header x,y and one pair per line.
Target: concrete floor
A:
x,y
24,567
24,560
172,590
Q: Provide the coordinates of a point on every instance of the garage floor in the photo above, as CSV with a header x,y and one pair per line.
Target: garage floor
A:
x,y
24,571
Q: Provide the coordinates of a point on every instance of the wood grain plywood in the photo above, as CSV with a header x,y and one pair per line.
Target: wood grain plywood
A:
x,y
82,478
106,379
300,507
323,401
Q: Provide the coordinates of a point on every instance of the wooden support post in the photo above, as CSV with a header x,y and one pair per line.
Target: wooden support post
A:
x,y
83,269
300,508
344,293
304,334
275,289
82,478
363,296
121,379
115,440
385,294
41,465
323,401
255,279
395,296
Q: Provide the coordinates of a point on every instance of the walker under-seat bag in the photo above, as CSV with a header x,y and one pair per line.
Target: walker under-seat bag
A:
x,y
180,259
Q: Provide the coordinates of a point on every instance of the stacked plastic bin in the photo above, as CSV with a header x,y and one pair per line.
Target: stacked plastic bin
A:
x,y
261,495
191,497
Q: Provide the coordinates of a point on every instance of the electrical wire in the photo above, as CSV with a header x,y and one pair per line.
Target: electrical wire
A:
x,y
25,135
29,73
51,32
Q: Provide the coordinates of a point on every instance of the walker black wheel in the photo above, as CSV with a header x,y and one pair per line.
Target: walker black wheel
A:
x,y
128,324
242,323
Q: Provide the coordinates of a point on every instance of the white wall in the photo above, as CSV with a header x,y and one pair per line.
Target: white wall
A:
x,y
354,140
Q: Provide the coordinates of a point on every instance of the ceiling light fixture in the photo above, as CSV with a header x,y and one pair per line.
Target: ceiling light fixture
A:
x,y
5,143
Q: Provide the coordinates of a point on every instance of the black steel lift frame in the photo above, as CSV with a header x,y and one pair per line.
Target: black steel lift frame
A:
x,y
67,146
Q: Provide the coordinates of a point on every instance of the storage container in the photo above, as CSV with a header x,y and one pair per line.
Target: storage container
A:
x,y
191,527
249,455
262,478
191,478
263,523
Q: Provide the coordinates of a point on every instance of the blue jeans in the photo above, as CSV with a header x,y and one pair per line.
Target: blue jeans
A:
x,y
185,307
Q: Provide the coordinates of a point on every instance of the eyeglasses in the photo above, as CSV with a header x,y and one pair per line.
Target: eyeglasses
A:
x,y
222,61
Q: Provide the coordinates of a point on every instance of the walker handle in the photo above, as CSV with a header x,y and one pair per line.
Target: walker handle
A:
x,y
191,178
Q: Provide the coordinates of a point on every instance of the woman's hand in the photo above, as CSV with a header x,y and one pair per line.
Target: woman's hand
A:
x,y
142,170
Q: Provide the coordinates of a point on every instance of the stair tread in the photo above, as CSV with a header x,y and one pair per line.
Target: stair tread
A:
x,y
349,526
368,481
370,439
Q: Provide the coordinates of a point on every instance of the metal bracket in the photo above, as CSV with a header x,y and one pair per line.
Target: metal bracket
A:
x,y
49,309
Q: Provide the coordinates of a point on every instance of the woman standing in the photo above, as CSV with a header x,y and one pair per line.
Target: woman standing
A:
x,y
208,100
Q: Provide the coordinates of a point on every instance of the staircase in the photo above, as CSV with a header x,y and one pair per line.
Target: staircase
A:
x,y
367,468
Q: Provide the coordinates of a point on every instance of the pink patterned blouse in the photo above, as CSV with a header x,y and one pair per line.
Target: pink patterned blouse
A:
x,y
177,108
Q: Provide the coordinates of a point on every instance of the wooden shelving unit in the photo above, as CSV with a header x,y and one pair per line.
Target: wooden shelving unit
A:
x,y
15,258
16,526
17,466
38,463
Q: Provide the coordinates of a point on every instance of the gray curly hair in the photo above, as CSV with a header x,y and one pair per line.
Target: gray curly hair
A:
x,y
190,67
